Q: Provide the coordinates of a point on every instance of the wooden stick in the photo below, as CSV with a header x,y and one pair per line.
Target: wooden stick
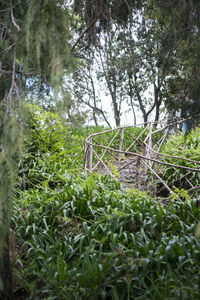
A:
x,y
152,171
174,168
157,152
121,141
189,183
115,157
151,159
106,150
150,139
138,125
136,139
172,156
131,162
194,188
90,154
137,175
85,153
102,163
114,129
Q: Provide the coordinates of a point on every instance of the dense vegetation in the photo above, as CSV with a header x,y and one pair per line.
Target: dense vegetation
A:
x,y
76,236
185,147
144,54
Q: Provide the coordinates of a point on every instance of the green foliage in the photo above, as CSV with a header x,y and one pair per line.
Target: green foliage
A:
x,y
186,147
9,149
180,194
47,38
79,242
82,237
53,150
35,53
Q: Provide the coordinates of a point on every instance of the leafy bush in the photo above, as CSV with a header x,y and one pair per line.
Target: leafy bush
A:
x,y
53,150
187,147
95,241
82,237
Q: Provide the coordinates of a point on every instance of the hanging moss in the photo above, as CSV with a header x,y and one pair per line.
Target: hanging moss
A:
x,y
35,47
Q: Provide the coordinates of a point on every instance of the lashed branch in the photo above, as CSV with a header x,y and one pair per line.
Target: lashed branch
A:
x,y
102,163
143,156
106,150
136,139
152,171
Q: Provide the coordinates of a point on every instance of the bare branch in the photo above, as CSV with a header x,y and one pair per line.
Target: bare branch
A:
x,y
14,21
13,77
85,31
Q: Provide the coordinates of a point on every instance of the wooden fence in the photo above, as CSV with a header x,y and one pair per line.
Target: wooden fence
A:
x,y
147,162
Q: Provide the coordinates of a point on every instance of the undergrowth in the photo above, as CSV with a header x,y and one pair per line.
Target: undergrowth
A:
x,y
83,237
182,146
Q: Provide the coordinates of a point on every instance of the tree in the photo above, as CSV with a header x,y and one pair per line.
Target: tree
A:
x,y
129,51
111,68
34,46
182,28
83,87
146,74
168,40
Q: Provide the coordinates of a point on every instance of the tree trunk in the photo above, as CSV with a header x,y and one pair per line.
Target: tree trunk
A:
x,y
145,118
94,117
157,115
133,111
158,101
116,114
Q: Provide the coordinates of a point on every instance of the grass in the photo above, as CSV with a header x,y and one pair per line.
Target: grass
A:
x,y
81,243
82,237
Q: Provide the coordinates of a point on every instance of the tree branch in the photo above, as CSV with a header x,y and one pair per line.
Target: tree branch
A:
x,y
13,20
85,31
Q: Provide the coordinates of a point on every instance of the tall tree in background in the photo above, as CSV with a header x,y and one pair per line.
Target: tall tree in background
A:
x,y
108,19
83,86
34,47
111,68
167,47
182,35
129,48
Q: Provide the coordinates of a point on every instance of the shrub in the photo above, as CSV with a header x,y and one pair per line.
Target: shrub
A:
x,y
82,237
187,147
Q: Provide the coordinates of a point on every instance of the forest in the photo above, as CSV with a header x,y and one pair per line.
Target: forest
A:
x,y
93,205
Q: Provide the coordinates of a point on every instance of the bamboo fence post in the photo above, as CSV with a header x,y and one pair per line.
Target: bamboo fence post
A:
x,y
121,141
147,152
85,154
99,158
137,174
89,154
150,141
